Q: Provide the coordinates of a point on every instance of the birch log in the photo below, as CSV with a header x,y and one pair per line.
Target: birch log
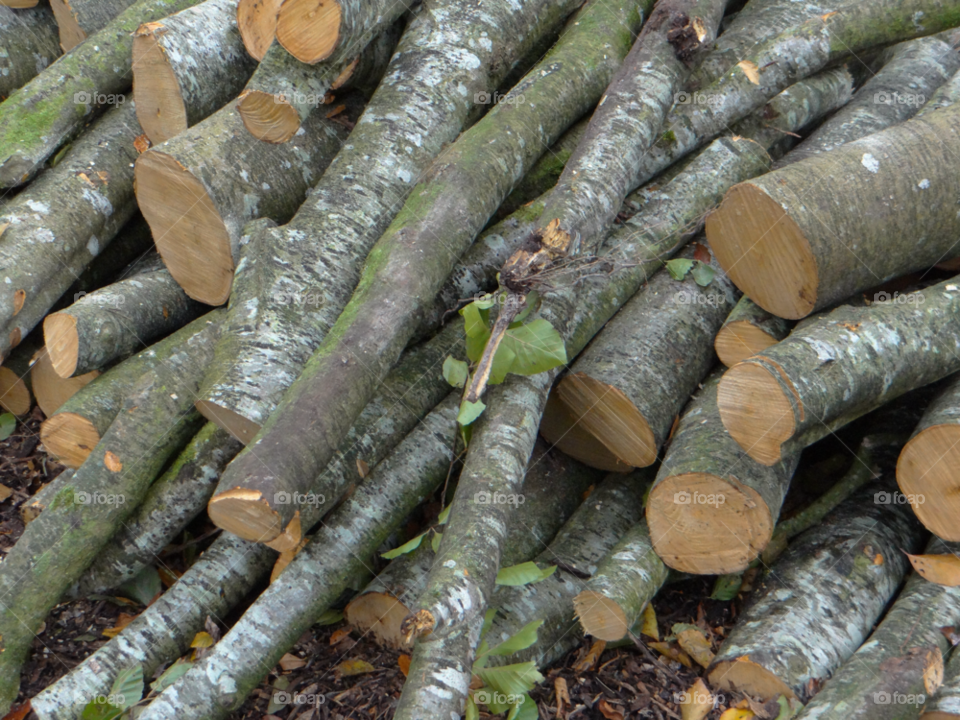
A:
x,y
76,19
28,44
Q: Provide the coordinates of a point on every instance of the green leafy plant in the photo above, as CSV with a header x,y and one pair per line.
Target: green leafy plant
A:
x,y
523,574
506,688
701,272
8,423
126,692
414,543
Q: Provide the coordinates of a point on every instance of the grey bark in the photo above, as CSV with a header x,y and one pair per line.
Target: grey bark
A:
x,y
28,44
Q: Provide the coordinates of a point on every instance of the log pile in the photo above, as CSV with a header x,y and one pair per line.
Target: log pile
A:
x,y
345,279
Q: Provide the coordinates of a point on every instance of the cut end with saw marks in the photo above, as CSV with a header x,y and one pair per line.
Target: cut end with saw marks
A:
x,y
257,22
246,514
739,340
52,390
756,411
744,675
14,393
309,29
561,429
69,437
600,616
159,103
241,428
379,613
927,476
62,343
268,117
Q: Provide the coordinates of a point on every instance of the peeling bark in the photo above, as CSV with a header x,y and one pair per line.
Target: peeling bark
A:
x,y
819,600
187,66
77,19
748,329
28,44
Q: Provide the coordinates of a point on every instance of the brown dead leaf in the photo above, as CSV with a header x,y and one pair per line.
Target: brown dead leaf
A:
x,y
878,559
649,626
336,111
19,298
123,620
362,468
353,667
340,635
562,694
697,701
952,634
141,143
291,662
939,569
404,662
696,645
20,711
828,15
751,70
592,657
933,671
701,252
669,651
112,462
587,493
5,492
168,576
609,711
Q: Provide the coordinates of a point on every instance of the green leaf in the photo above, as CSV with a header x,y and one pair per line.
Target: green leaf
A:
x,y
520,640
329,617
487,301
538,347
143,587
703,274
444,515
171,675
455,371
475,346
473,713
532,302
408,546
526,710
523,574
679,268
512,679
8,423
473,321
127,689
100,709
470,411
435,541
727,586
788,708
502,363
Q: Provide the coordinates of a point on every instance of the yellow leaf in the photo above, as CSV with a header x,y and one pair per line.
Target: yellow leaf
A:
x,y
668,651
939,569
593,656
696,646
123,620
697,702
339,635
404,662
202,640
291,662
828,15
649,626
354,667
5,492
751,70
737,714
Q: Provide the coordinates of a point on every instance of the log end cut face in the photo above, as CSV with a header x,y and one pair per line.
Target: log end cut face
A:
x,y
257,21
246,514
52,390
189,232
69,437
243,429
744,675
71,34
562,431
739,340
309,29
62,342
756,411
14,394
708,525
600,616
609,415
928,473
764,252
160,107
379,613
269,118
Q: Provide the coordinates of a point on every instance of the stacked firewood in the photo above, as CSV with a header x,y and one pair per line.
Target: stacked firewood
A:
x,y
310,266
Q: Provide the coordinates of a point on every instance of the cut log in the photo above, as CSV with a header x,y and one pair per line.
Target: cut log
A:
x,y
445,213
55,106
117,320
51,390
284,91
199,188
819,600
901,664
628,386
627,577
912,71
748,329
552,490
187,66
333,30
16,395
316,576
799,390
562,429
78,425
926,468
712,510
77,19
945,704
156,421
257,22
28,43
64,220
174,499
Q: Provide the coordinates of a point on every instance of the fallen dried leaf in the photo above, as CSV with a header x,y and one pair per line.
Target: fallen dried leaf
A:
x,y
141,143
562,694
362,468
697,702
19,298
737,714
668,651
339,635
592,656
20,711
696,645
353,667
404,662
202,639
291,662
649,626
751,70
609,711
336,111
933,671
951,633
5,492
939,569
123,620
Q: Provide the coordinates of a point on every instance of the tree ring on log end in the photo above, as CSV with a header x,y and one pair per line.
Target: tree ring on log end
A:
x,y
257,21
14,394
69,437
600,616
237,425
309,29
379,613
63,342
160,108
739,340
561,430
746,676
756,411
246,514
927,476
268,117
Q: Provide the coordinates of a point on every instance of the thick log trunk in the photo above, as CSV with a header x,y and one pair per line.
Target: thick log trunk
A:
x,y
55,106
897,662
187,66
174,499
552,490
62,222
628,386
926,468
117,320
748,329
838,367
257,22
333,30
51,390
444,214
819,601
157,419
77,19
712,510
911,73
28,43
627,577
79,424
317,576
198,189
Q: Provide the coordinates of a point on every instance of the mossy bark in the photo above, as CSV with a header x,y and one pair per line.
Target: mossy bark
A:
x,y
438,221
317,576
157,419
28,44
62,222
747,330
53,107
78,19
877,681
174,499
818,602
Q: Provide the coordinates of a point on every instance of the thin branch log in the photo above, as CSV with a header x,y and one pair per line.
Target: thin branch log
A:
x,y
748,329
